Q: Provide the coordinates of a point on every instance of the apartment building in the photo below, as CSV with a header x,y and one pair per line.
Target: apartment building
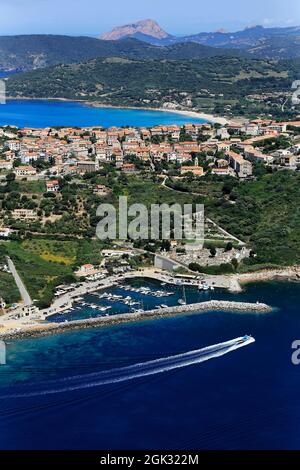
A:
x,y
242,167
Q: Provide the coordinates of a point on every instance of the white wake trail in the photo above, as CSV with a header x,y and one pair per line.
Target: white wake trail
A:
x,y
136,371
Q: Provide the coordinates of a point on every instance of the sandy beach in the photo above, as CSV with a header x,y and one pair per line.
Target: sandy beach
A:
x,y
193,114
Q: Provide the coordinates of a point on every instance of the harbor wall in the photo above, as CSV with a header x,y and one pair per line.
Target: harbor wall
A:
x,y
213,305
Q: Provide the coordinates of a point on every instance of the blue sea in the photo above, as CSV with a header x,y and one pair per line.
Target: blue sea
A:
x,y
43,113
248,399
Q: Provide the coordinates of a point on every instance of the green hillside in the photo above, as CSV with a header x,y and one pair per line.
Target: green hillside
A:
x,y
210,83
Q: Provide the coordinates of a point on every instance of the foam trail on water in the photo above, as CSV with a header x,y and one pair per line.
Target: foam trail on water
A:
x,y
136,371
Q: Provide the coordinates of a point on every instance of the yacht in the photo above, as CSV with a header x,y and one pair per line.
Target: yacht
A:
x,y
104,309
244,339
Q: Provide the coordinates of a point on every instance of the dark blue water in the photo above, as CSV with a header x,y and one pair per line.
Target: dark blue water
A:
x,y
247,399
6,74
43,113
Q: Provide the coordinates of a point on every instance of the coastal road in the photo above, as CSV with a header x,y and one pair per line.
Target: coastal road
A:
x,y
21,286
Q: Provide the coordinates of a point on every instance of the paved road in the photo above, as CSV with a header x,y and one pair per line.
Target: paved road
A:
x,y
23,291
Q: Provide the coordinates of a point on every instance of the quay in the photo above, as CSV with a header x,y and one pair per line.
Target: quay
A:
x,y
43,329
65,302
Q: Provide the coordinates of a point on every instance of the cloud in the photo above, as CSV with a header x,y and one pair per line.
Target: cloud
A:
x,y
268,21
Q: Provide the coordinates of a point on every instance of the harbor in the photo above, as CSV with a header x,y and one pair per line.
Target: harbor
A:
x,y
73,293
126,297
213,305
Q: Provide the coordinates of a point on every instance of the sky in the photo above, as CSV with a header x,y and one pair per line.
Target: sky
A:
x,y
178,17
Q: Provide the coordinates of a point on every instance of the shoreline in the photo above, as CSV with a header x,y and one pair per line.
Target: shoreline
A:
x,y
291,273
98,322
193,114
233,283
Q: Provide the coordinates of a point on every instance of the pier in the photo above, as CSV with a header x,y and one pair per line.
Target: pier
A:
x,y
65,302
42,329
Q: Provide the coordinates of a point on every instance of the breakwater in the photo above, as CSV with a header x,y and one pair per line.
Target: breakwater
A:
x,y
43,329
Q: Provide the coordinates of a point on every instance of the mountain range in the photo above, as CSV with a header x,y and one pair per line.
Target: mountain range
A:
x,y
30,52
150,31
146,40
278,43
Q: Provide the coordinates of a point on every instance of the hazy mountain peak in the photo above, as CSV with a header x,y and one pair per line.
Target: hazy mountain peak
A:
x,y
255,26
147,27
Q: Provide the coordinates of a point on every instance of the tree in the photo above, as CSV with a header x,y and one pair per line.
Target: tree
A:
x,y
213,252
10,177
235,263
165,245
229,246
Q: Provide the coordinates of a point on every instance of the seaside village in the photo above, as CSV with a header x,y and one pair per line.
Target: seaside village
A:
x,y
230,150
50,155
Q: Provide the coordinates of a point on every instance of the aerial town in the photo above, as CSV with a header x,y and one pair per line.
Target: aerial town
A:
x,y
230,150
149,231
44,162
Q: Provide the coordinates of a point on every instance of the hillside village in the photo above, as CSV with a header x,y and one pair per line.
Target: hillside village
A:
x,y
229,150
53,157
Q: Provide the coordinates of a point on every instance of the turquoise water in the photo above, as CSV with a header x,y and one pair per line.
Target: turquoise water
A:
x,y
42,113
245,400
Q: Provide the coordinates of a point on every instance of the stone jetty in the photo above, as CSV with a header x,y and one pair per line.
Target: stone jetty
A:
x,y
45,328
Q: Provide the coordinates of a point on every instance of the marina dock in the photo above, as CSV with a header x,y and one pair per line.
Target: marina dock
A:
x,y
43,329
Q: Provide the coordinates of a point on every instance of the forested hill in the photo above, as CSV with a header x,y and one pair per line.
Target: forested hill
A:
x,y
24,53
122,82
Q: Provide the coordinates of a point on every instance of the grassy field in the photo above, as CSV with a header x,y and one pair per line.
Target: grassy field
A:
x,y
31,187
63,253
43,264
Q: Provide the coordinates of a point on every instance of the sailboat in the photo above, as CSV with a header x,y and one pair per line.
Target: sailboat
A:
x,y
183,300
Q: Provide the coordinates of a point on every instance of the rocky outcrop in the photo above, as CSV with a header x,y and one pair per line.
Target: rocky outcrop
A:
x,y
146,27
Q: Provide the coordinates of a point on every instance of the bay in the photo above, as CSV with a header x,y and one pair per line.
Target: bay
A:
x,y
44,113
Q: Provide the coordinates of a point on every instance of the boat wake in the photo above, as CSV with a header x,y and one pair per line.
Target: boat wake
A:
x,y
136,371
